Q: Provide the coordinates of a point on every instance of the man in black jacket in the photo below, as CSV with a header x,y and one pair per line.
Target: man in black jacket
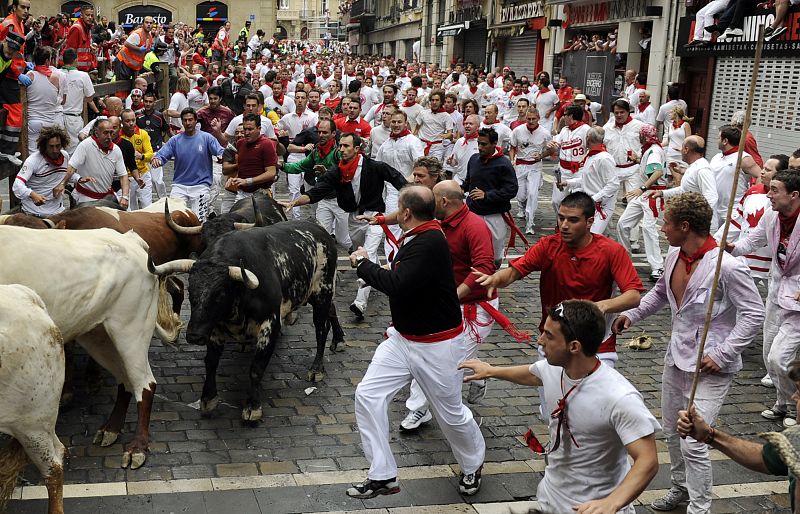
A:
x,y
235,89
425,342
358,182
491,183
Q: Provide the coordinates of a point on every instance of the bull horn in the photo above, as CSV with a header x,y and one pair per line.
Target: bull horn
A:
x,y
240,274
3,218
49,223
243,226
257,217
187,231
176,266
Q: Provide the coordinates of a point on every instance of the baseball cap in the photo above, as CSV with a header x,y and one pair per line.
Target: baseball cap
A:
x,y
15,40
136,91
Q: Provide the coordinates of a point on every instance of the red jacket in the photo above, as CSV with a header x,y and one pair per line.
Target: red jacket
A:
x,y
79,37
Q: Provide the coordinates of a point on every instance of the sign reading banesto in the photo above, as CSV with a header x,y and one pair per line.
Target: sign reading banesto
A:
x,y
134,16
786,45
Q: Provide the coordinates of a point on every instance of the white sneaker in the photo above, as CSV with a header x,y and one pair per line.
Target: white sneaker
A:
x,y
733,32
477,390
415,419
671,500
767,381
789,421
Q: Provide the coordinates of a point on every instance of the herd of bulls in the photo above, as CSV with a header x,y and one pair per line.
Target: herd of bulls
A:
x,y
108,283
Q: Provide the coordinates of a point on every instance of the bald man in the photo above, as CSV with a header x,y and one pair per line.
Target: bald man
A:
x,y
696,175
113,107
425,342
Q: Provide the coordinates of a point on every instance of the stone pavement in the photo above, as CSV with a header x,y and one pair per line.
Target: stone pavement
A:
x,y
299,458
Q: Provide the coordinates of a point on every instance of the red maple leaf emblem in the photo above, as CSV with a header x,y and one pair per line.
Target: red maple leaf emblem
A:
x,y
752,218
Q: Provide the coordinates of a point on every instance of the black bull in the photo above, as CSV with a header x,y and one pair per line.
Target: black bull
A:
x,y
246,283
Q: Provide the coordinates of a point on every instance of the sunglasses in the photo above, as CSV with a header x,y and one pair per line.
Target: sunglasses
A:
x,y
558,312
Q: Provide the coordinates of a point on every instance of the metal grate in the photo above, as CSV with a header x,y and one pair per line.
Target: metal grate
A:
x,y
776,105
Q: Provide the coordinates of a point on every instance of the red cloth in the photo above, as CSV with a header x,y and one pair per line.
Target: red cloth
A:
x,y
689,260
332,103
517,123
106,149
401,134
620,125
470,243
787,224
498,152
751,147
206,114
587,274
565,94
358,126
325,148
348,169
254,158
44,70
410,103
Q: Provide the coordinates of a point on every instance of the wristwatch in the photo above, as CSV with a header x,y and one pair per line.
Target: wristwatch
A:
x,y
359,259
643,188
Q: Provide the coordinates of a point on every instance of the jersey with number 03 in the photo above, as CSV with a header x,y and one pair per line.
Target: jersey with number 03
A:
x,y
572,143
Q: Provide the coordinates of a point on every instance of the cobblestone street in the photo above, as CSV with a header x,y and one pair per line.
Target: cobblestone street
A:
x,y
299,458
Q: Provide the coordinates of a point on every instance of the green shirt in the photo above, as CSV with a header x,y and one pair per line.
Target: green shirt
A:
x,y
311,160
776,466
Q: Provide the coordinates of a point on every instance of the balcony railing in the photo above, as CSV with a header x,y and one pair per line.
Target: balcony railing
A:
x,y
288,14
362,8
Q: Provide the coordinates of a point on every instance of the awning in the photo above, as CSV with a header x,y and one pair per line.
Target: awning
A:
x,y
352,26
450,30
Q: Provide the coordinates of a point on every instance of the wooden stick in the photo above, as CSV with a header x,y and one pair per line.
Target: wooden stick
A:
x,y
724,241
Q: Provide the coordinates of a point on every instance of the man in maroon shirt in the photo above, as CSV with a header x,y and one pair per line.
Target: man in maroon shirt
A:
x,y
215,117
256,161
576,264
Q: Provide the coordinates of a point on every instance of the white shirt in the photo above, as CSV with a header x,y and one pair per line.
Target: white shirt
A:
x,y
90,161
377,137
197,99
527,143
572,144
459,158
698,178
620,140
503,133
78,87
412,113
266,127
544,102
673,141
178,103
432,126
653,156
401,153
605,414
664,110
723,167
293,124
502,99
648,115
40,176
598,178
283,108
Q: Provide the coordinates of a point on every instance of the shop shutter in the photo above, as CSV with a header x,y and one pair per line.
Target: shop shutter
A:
x,y
776,105
520,54
475,46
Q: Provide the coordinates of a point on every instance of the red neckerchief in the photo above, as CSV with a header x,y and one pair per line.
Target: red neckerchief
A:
x,y
325,148
709,245
402,133
641,86
278,99
487,122
596,150
513,94
787,224
311,107
575,124
451,110
506,90
104,150
409,103
198,88
381,106
333,102
643,106
677,124
56,162
138,106
285,84
473,90
348,169
531,130
468,138
620,125
732,150
646,146
437,111
498,152
419,229
43,69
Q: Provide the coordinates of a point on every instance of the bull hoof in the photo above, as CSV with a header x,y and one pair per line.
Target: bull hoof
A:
x,y
315,375
134,459
292,318
105,437
208,406
249,414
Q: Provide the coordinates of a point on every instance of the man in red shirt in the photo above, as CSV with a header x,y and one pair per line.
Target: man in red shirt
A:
x,y
12,31
79,37
354,122
576,264
256,161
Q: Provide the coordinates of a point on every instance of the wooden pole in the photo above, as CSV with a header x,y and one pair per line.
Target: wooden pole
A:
x,y
724,241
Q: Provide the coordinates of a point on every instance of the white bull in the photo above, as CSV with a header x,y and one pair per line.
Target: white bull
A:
x,y
98,291
31,376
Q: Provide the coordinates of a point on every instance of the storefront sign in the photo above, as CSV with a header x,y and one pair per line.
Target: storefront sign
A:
x,y
134,16
603,12
521,12
473,13
786,45
212,11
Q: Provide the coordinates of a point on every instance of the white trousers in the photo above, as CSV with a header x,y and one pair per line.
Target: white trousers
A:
x,y
435,367
529,178
599,225
558,195
73,125
475,331
197,198
705,17
140,197
690,466
499,229
368,236
334,220
157,179
781,342
639,210
295,181
392,196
